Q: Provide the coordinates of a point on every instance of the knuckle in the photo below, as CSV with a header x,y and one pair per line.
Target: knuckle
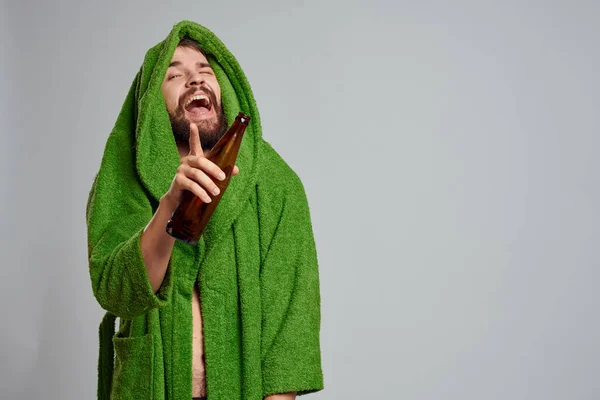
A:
x,y
203,178
201,163
197,175
183,167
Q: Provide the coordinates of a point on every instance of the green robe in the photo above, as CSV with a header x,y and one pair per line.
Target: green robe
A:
x,y
255,265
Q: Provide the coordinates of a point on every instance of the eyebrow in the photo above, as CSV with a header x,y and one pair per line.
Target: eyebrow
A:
x,y
199,64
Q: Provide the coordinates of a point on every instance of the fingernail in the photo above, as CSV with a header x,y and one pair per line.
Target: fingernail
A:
x,y
207,199
216,191
222,176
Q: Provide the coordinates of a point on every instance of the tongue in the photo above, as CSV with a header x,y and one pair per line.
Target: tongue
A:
x,y
197,110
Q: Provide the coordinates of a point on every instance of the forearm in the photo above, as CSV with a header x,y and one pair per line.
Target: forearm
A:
x,y
281,396
157,244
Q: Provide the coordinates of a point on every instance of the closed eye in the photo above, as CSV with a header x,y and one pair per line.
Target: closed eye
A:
x,y
173,76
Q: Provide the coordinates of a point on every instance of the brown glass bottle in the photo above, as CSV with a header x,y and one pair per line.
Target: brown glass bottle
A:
x,y
192,215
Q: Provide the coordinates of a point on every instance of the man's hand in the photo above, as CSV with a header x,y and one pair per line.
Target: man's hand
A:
x,y
192,175
195,173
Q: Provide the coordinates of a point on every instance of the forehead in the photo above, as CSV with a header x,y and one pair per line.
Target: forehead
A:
x,y
186,55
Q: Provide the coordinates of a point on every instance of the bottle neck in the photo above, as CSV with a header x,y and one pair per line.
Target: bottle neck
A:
x,y
232,138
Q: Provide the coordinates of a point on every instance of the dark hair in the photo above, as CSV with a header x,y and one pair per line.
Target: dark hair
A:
x,y
191,44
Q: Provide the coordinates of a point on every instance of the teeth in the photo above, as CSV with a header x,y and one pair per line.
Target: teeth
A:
x,y
197,97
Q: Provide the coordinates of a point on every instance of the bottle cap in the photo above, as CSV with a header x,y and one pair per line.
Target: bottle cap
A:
x,y
243,118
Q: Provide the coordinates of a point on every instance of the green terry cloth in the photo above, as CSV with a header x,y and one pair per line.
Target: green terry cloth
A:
x,y
255,265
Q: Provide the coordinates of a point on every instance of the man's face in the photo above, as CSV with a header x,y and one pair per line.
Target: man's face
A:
x,y
192,95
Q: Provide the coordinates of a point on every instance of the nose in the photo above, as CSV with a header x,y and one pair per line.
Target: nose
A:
x,y
195,79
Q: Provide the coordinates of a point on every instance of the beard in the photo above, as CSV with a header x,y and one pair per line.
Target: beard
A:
x,y
210,130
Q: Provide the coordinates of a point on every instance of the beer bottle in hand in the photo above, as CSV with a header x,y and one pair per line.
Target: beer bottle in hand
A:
x,y
192,215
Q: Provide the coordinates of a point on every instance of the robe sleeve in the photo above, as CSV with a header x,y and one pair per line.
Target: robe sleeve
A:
x,y
290,300
118,209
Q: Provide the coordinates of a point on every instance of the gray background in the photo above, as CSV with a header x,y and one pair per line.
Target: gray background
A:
x,y
448,150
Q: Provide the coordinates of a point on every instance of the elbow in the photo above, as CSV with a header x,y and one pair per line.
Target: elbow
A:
x,y
118,308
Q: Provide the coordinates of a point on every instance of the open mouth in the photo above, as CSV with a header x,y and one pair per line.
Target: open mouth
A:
x,y
198,104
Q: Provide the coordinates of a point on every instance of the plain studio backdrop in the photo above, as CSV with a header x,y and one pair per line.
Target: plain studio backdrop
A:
x,y
449,151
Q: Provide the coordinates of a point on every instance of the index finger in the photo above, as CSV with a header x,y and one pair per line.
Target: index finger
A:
x,y
194,142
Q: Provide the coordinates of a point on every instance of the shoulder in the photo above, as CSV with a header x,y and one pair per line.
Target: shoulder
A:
x,y
276,175
278,186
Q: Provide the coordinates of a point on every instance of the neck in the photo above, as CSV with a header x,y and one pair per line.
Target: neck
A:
x,y
183,150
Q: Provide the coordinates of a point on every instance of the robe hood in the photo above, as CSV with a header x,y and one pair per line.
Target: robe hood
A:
x,y
156,153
